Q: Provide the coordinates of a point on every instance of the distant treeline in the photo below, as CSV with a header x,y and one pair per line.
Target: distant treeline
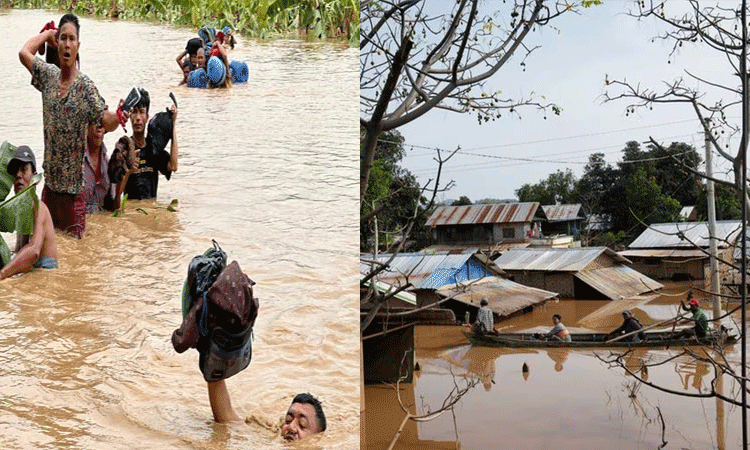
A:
x,y
337,19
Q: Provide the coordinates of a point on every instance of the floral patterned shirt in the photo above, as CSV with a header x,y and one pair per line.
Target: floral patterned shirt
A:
x,y
66,120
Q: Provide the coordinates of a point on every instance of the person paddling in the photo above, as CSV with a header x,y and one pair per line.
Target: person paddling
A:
x,y
699,318
629,325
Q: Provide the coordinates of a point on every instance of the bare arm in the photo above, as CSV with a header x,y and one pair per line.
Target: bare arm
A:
x,y
110,121
179,59
29,253
221,404
173,150
32,46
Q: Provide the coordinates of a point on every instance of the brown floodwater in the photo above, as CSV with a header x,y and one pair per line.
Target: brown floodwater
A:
x,y
270,170
568,398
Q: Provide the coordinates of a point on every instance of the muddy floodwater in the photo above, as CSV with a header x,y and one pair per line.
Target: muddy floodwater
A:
x,y
568,399
270,170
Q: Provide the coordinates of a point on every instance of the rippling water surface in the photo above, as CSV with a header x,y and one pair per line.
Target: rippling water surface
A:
x,y
268,169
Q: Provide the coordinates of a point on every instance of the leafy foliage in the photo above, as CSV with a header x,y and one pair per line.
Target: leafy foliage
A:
x,y
254,18
392,196
462,201
558,187
647,186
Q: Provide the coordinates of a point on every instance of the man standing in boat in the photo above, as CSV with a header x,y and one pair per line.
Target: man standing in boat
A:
x,y
485,323
699,317
629,325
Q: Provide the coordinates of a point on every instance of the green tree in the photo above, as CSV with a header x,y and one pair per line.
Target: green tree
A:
x,y
558,187
462,201
392,195
596,185
727,203
647,204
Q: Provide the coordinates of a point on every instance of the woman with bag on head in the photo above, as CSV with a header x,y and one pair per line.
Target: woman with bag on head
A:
x,y
70,102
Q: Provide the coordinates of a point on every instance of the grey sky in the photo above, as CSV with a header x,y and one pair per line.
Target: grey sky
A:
x,y
569,69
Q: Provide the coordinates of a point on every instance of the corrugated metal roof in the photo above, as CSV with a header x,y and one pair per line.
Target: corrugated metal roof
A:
x,y
423,271
505,297
618,282
478,214
562,213
663,253
553,259
665,235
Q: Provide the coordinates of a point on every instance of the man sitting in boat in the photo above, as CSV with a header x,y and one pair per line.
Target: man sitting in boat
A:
x,y
699,317
558,332
629,325
485,323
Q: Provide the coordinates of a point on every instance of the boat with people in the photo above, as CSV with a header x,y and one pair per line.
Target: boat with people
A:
x,y
654,339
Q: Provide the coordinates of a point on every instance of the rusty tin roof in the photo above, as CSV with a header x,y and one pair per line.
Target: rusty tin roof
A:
x,y
479,214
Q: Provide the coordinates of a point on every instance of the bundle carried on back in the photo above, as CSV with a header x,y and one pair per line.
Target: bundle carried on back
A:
x,y
219,312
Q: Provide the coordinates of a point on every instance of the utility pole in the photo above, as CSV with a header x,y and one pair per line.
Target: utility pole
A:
x,y
714,262
743,238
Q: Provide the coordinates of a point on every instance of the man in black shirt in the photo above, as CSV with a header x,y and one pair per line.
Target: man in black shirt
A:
x,y
142,181
629,325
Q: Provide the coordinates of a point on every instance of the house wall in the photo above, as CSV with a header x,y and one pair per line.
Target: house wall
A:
x,y
559,282
666,269
426,297
461,234
501,232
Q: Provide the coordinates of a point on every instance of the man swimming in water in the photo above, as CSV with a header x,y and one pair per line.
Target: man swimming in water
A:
x,y
39,249
304,417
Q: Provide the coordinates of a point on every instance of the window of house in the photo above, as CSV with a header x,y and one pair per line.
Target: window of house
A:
x,y
509,233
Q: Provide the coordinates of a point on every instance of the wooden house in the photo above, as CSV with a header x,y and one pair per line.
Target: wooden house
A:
x,y
581,273
679,250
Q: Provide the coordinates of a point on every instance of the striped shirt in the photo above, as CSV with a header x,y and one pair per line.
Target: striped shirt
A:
x,y
484,316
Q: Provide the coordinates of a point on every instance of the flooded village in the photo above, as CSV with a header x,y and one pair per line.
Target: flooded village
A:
x,y
426,386
593,293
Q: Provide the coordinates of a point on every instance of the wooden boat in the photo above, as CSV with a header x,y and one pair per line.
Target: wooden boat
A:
x,y
656,339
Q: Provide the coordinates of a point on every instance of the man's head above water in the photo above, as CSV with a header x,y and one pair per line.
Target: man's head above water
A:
x,y
304,418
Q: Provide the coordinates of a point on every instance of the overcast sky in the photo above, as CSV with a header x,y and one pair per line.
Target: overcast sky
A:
x,y
569,69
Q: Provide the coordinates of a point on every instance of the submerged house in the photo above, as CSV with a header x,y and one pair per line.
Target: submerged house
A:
x,y
679,250
483,225
428,272
581,273
432,276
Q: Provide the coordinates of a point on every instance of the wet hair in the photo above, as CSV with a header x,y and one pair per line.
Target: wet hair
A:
x,y
145,100
559,317
72,18
310,400
119,162
483,302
